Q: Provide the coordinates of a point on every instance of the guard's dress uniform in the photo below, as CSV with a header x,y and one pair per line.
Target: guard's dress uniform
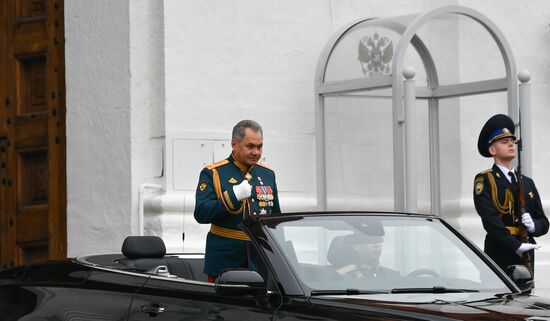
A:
x,y
495,200
495,203
226,245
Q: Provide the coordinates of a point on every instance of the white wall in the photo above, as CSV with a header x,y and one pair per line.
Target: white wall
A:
x,y
98,125
147,112
115,117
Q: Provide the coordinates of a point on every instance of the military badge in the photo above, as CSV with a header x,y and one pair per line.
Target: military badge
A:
x,y
202,186
259,193
478,186
232,180
265,193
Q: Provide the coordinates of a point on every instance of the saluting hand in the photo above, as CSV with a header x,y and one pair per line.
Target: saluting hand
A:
x,y
243,190
528,222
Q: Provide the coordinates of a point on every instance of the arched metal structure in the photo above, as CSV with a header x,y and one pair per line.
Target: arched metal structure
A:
x,y
433,92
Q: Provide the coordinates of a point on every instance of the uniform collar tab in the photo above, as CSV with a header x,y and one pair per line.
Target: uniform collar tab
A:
x,y
240,165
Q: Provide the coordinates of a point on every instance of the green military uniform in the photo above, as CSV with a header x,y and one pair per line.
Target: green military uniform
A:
x,y
227,246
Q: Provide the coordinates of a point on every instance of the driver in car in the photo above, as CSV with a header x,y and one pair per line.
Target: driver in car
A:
x,y
364,248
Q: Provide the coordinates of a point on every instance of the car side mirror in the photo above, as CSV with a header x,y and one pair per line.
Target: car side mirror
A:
x,y
521,276
240,282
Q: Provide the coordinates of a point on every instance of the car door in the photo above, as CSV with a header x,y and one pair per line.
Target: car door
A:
x,y
108,294
168,298
67,290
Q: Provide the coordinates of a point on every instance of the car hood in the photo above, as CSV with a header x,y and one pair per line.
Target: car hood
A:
x,y
451,306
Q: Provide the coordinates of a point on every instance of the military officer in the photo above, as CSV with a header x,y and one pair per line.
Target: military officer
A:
x,y
495,197
364,259
229,192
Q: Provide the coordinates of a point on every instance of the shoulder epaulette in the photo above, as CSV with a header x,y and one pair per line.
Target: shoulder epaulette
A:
x,y
264,166
490,170
346,269
217,164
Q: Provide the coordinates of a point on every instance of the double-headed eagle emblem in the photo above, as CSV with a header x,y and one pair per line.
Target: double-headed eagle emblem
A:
x,y
375,55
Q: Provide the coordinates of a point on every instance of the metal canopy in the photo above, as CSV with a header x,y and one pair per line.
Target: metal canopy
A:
x,y
335,78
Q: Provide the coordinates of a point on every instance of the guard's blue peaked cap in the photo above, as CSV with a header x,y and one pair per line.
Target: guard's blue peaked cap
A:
x,y
497,127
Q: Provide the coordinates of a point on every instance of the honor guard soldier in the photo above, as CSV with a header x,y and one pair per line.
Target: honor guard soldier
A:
x,y
229,192
496,199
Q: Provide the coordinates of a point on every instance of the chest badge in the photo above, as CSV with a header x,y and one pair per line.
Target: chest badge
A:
x,y
232,180
264,194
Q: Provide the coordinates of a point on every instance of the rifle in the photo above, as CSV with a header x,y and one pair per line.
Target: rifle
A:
x,y
522,234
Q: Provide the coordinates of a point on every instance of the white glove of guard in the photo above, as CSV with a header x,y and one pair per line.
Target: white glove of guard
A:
x,y
243,190
528,222
524,247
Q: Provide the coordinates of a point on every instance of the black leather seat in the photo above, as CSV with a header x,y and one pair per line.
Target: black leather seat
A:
x,y
189,268
340,252
144,253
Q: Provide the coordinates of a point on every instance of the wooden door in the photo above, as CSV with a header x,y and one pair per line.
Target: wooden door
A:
x,y
32,132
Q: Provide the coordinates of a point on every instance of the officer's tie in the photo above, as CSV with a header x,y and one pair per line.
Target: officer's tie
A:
x,y
513,178
514,181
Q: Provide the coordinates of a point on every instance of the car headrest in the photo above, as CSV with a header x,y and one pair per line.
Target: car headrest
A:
x,y
143,247
339,251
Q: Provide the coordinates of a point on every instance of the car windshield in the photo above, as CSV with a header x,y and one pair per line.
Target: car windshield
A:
x,y
390,254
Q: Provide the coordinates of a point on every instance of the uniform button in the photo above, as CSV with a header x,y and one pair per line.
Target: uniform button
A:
x,y
253,200
254,213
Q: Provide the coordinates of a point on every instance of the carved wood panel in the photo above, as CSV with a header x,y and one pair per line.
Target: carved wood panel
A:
x,y
32,132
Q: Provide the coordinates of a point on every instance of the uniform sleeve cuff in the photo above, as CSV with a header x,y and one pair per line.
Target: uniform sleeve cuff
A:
x,y
230,199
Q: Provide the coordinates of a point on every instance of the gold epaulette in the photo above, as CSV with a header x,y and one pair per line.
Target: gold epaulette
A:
x,y
490,170
346,269
217,164
264,166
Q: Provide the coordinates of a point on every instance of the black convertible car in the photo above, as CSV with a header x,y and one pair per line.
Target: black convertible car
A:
x,y
315,266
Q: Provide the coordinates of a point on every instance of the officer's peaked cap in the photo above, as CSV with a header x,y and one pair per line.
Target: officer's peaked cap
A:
x,y
497,127
369,232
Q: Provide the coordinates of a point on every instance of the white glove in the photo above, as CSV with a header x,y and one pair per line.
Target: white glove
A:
x,y
243,190
528,222
524,247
